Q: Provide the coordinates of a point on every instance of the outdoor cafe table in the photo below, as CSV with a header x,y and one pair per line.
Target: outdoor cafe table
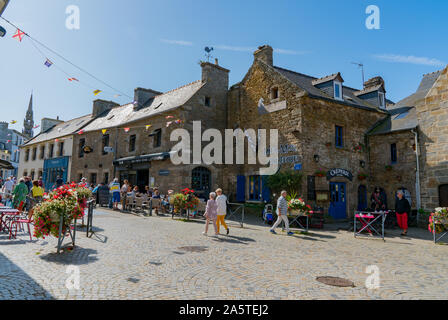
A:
x,y
367,220
294,217
7,213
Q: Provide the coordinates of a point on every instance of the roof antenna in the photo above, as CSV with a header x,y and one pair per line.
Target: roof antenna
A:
x,y
360,65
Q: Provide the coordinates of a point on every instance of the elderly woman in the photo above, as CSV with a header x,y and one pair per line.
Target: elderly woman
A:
x,y
211,214
402,209
20,192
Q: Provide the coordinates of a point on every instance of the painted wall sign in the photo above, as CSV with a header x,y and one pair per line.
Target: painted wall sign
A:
x,y
339,173
108,149
298,166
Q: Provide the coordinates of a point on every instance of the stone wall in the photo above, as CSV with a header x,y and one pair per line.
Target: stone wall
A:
x,y
433,124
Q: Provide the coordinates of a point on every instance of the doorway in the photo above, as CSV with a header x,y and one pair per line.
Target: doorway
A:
x,y
142,179
338,204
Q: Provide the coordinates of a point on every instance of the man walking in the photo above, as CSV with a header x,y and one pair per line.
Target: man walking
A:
x,y
221,201
282,212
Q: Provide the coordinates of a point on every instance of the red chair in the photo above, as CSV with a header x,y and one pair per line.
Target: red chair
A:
x,y
20,222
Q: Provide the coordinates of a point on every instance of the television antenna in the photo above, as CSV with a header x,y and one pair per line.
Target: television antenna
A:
x,y
208,53
360,65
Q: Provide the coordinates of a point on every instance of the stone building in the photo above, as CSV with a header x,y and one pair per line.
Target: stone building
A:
x,y
323,127
133,141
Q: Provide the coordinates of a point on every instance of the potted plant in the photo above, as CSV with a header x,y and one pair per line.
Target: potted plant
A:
x,y
320,173
297,206
328,144
388,168
359,148
440,219
362,176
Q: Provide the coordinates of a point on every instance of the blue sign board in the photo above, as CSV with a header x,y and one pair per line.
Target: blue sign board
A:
x,y
54,168
298,166
164,173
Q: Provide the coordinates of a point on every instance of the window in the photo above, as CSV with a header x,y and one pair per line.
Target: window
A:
x,y
157,138
34,153
40,174
255,188
25,173
393,153
93,178
82,144
132,140
207,102
201,181
105,143
274,93
61,149
27,155
50,155
106,177
80,177
311,187
443,195
339,142
42,152
338,90
382,100
32,175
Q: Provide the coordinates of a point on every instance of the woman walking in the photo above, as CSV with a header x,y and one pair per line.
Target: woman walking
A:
x,y
221,201
402,209
211,213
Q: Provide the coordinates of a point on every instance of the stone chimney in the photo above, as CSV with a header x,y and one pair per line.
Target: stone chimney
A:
x,y
374,82
265,53
215,73
141,96
100,106
47,123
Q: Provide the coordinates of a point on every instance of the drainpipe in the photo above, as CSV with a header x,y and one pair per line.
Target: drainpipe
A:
x,y
115,153
417,175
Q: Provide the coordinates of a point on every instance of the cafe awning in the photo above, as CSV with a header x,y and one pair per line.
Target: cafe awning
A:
x,y
142,159
6,165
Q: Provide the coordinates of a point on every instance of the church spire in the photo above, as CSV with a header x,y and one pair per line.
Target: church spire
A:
x,y
28,123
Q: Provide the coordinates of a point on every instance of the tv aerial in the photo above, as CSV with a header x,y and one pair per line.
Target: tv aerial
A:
x,y
360,65
208,53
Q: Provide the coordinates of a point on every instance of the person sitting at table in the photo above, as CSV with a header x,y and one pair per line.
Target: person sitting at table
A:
x,y
402,209
37,192
377,200
148,192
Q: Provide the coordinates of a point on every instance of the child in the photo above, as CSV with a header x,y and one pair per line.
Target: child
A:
x,y
211,213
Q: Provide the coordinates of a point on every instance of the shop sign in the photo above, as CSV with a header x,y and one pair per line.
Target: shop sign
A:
x,y
339,173
298,166
108,149
164,173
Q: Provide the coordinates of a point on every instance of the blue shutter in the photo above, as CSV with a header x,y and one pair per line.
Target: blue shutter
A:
x,y
265,191
241,188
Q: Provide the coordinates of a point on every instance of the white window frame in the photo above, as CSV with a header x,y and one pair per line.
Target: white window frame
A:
x,y
382,98
341,97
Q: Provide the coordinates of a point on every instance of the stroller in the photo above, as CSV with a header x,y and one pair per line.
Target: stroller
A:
x,y
268,214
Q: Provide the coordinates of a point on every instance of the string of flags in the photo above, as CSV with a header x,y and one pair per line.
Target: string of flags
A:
x,y
19,35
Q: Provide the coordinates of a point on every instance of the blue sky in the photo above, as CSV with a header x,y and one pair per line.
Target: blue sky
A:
x,y
157,44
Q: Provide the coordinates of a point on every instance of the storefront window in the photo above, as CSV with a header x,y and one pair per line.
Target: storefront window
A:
x,y
255,188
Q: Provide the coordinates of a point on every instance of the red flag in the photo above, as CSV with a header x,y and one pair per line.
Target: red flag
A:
x,y
19,35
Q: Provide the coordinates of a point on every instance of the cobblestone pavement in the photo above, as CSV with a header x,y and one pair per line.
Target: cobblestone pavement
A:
x,y
132,257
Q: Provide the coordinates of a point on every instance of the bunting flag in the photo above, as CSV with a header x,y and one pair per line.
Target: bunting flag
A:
x,y
178,121
35,127
127,130
48,63
148,126
135,103
13,122
169,123
97,92
56,140
169,117
104,131
19,35
72,79
80,132
8,141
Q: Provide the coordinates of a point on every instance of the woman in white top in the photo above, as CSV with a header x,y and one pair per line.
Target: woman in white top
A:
x,y
221,201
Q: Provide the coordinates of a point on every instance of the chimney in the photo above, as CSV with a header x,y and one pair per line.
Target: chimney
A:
x,y
100,106
47,123
215,73
376,81
265,54
141,96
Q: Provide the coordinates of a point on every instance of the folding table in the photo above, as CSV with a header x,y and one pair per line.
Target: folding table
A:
x,y
295,218
435,234
7,212
367,220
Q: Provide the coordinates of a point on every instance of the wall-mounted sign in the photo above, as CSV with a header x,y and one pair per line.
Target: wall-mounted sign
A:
x,y
108,149
164,173
298,166
339,173
322,196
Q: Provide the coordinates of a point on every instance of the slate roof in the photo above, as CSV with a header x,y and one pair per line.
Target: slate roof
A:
x,y
61,130
403,115
305,82
122,115
327,78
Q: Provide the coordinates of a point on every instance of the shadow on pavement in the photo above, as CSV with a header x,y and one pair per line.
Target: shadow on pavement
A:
x,y
16,284
77,256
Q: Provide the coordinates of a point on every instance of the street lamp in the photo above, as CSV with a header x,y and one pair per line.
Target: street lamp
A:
x,y
3,5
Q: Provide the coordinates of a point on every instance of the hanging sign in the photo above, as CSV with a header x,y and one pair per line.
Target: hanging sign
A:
x,y
339,173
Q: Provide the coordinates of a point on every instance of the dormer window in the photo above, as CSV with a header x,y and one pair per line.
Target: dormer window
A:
x,y
337,90
382,99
